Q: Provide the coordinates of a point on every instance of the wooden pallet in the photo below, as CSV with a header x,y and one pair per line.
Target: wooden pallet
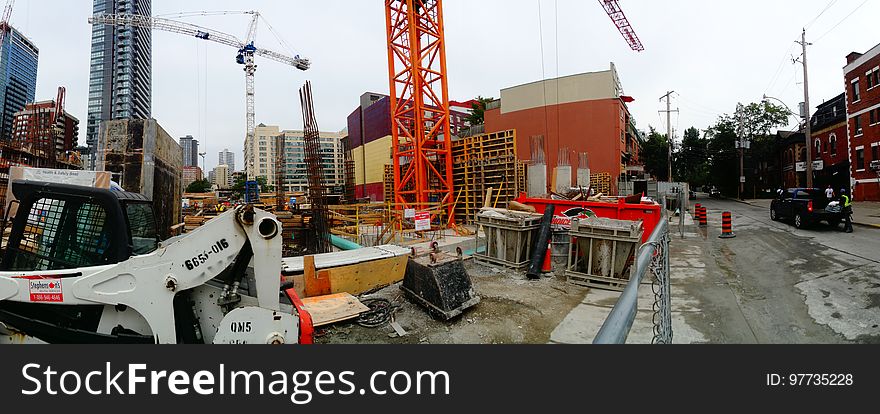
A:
x,y
596,282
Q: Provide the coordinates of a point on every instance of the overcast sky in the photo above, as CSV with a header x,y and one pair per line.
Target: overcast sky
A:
x,y
712,53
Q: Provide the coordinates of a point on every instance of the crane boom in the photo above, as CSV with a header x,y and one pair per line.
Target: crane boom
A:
x,y
246,49
4,24
189,29
612,7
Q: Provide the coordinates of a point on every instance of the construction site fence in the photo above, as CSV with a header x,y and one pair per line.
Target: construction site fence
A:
x,y
652,258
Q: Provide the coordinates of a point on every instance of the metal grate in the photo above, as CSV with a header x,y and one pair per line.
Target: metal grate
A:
x,y
59,235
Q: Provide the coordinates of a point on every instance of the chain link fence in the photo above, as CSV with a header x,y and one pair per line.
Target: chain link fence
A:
x,y
651,259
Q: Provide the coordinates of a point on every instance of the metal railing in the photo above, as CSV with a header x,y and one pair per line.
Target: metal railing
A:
x,y
653,256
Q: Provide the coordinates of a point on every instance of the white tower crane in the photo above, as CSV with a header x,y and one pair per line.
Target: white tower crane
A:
x,y
246,49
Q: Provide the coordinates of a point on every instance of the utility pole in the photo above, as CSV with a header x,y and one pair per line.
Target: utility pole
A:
x,y
807,119
669,138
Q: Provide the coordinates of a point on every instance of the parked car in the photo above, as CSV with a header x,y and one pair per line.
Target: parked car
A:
x,y
804,207
715,192
692,195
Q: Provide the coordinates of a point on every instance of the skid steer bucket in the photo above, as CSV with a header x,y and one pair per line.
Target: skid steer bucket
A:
x,y
439,282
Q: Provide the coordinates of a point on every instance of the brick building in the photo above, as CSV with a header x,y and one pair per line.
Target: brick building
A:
x,y
830,153
368,144
44,127
584,113
792,158
862,74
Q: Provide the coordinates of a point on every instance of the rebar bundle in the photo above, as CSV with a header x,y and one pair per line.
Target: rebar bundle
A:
x,y
320,221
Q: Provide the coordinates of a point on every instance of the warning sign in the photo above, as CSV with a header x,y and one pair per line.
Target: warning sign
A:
x,y
46,290
423,221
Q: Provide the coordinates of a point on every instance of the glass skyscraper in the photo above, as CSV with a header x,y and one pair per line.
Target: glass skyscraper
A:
x,y
18,77
121,78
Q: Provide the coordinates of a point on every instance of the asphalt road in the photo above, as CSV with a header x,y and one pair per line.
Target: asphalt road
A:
x,y
774,283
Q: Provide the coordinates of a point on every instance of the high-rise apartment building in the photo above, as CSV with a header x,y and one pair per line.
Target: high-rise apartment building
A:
x,y
18,77
190,147
261,160
228,159
121,75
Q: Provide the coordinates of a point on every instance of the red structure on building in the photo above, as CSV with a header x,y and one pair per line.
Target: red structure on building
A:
x,y
583,113
421,131
44,135
862,74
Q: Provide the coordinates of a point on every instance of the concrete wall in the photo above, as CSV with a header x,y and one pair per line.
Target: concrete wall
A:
x,y
146,160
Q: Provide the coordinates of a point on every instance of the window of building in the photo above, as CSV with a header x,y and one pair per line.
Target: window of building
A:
x,y
857,94
832,142
858,127
875,153
860,159
873,78
818,147
872,117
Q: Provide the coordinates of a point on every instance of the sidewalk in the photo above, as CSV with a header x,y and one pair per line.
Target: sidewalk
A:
x,y
865,213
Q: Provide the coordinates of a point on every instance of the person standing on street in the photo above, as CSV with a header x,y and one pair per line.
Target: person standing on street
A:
x,y
829,193
846,202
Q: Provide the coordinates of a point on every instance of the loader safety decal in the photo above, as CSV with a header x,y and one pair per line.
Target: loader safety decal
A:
x,y
46,290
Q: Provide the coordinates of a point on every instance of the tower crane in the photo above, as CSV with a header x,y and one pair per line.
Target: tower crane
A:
x,y
612,7
247,51
4,24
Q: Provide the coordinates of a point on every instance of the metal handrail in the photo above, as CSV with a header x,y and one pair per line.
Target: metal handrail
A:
x,y
617,326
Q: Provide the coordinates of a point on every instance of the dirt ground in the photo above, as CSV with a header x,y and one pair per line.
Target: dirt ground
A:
x,y
512,310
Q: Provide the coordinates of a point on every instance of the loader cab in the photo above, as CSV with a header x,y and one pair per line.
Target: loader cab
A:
x,y
60,226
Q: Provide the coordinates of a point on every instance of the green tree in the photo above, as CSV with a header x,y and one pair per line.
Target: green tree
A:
x,y
691,161
478,116
753,122
199,187
239,186
655,154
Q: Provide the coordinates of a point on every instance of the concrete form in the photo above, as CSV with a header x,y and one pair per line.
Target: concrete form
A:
x,y
145,159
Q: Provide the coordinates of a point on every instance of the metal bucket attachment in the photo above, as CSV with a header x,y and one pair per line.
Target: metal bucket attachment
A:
x,y
439,282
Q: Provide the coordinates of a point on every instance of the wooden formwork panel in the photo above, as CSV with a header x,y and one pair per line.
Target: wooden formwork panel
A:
x,y
482,162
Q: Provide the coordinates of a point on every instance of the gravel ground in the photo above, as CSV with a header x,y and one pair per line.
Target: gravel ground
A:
x,y
513,310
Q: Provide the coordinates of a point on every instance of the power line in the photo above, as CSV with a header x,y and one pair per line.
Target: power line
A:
x,y
841,21
807,26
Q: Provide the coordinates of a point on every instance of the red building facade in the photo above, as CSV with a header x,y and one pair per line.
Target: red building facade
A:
x,y
583,113
862,74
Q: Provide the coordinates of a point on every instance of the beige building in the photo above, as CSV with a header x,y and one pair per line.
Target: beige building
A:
x,y
222,177
260,158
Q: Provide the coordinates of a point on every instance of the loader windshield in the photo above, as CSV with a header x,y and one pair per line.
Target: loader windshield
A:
x,y
142,224
62,234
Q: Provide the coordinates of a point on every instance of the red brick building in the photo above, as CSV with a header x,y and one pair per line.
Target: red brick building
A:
x,y
830,144
862,74
584,113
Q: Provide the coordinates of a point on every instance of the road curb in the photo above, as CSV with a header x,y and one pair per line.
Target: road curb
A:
x,y
873,226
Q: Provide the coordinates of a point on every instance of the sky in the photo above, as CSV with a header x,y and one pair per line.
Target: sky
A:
x,y
713,54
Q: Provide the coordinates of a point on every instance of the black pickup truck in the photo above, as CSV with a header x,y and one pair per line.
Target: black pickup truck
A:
x,y
804,207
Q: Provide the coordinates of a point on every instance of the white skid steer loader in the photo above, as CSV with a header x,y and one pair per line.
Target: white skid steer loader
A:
x,y
84,265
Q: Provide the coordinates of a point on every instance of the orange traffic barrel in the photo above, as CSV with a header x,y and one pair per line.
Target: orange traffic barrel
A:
x,y
727,226
704,217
